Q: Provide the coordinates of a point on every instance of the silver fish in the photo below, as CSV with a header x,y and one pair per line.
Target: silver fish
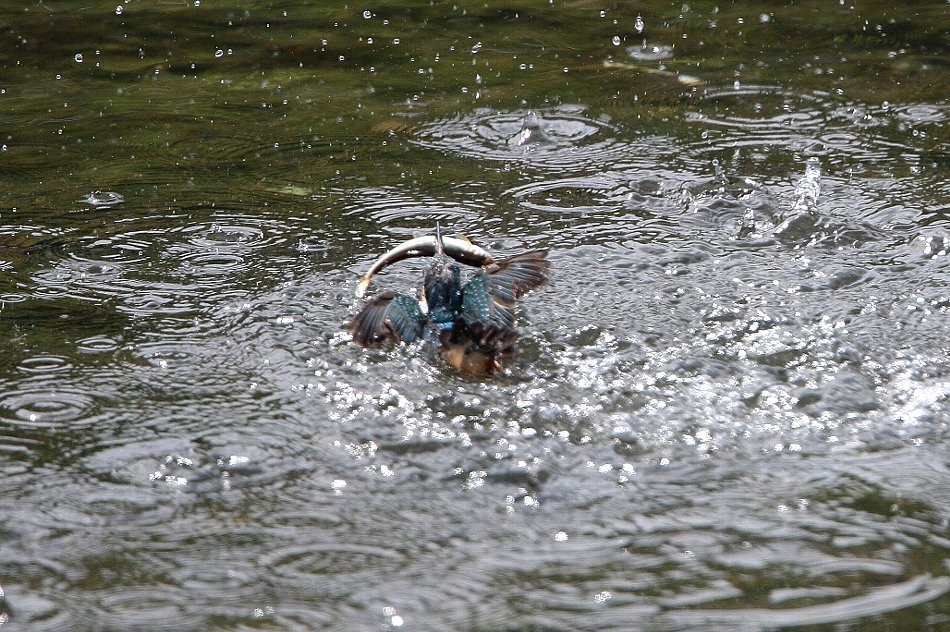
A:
x,y
461,250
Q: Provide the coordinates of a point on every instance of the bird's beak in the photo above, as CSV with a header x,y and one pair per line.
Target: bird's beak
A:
x,y
439,245
423,303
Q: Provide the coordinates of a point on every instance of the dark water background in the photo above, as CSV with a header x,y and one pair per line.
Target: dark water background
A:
x,y
730,408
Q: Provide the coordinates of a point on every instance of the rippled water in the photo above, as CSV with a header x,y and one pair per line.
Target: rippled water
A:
x,y
730,408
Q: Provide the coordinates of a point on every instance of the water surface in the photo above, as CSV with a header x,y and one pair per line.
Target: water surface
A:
x,y
729,409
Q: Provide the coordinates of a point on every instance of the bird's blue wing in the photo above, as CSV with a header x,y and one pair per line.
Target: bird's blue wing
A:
x,y
488,299
389,316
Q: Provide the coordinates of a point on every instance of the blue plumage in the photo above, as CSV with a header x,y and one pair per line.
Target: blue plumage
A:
x,y
471,324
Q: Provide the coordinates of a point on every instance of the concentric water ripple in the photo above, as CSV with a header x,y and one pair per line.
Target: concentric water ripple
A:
x,y
44,364
851,135
583,196
572,141
211,252
921,113
47,406
393,209
97,344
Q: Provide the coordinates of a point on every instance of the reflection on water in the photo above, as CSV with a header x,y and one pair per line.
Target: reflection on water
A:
x,y
729,409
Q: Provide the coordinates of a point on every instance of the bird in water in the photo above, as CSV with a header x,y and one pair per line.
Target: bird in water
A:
x,y
471,324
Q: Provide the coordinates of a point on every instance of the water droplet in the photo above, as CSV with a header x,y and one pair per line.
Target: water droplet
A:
x,y
367,15
396,41
603,13
78,58
477,47
219,53
639,24
616,40
119,10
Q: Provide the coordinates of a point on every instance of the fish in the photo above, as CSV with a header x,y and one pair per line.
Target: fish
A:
x,y
462,250
470,324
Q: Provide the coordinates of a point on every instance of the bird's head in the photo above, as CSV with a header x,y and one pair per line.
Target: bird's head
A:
x,y
442,286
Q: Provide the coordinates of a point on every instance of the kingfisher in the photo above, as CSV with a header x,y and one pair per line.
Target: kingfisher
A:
x,y
471,324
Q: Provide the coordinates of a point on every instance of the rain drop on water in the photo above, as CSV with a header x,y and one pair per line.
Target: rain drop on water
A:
x,y
119,10
616,40
638,24
78,58
219,53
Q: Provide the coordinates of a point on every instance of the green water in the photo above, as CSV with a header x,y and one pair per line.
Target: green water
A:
x,y
730,409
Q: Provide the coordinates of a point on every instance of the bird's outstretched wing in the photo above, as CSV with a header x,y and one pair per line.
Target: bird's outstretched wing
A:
x,y
488,299
389,316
